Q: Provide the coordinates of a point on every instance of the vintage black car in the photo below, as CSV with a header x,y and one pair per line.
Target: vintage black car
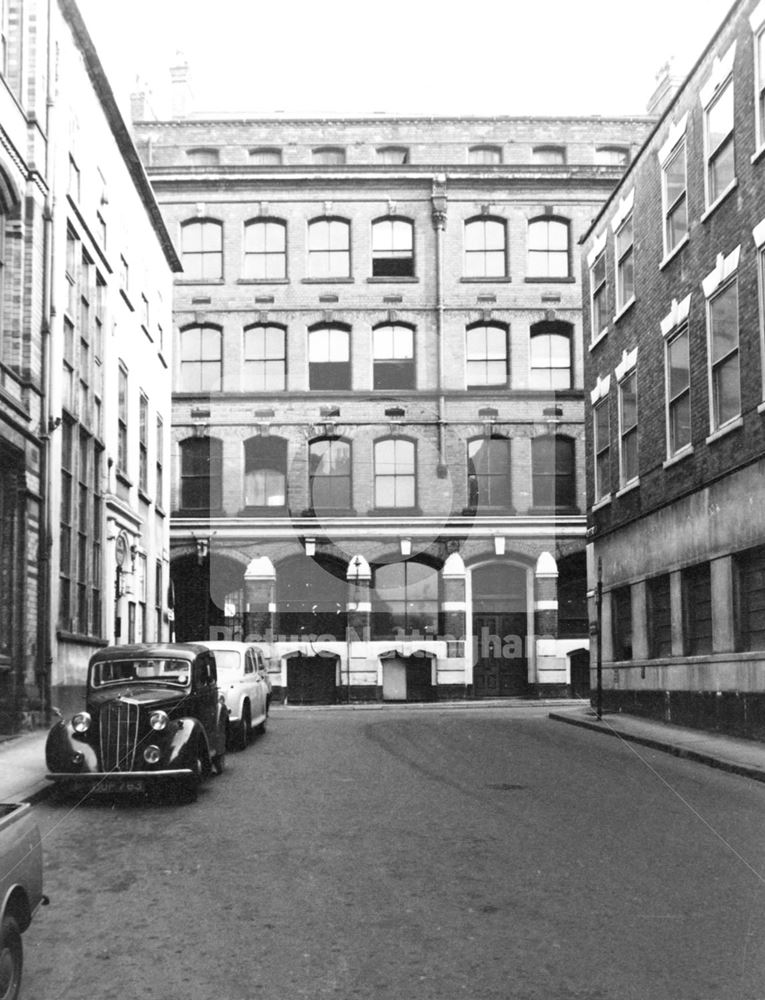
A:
x,y
153,714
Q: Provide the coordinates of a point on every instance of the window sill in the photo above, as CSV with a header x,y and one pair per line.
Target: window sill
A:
x,y
276,511
502,279
391,280
603,502
159,510
678,456
549,281
549,511
161,357
148,335
199,281
328,512
674,251
601,336
732,425
262,281
197,512
326,281
757,154
143,495
126,299
487,510
628,487
124,478
624,309
86,640
395,512
715,204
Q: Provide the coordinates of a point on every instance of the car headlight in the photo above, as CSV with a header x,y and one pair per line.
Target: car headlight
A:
x,y
81,722
159,720
151,755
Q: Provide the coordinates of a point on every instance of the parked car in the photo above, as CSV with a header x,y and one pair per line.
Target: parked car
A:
x,y
153,714
21,884
243,680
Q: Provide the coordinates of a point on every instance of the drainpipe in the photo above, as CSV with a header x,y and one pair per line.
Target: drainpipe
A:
x,y
438,208
48,422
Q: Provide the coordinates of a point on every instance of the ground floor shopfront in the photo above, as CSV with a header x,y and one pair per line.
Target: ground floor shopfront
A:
x,y
392,611
683,609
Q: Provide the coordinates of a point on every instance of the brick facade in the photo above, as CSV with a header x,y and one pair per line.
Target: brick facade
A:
x,y
439,191
692,513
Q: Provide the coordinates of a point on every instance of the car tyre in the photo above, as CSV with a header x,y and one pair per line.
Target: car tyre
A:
x,y
11,959
190,787
244,733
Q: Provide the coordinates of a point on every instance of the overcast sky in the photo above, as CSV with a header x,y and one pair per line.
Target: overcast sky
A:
x,y
516,57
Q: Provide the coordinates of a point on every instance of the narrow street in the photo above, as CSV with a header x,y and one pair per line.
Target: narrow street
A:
x,y
413,854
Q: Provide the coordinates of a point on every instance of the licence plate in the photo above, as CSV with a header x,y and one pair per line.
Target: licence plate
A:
x,y
109,785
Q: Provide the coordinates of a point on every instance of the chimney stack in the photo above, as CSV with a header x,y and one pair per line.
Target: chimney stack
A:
x,y
667,85
180,87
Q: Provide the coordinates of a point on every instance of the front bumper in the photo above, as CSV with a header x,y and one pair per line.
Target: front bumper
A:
x,y
94,777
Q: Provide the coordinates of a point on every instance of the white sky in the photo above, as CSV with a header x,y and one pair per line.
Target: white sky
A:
x,y
516,57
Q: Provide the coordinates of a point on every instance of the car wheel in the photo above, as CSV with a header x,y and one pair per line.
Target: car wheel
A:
x,y
11,959
245,726
190,787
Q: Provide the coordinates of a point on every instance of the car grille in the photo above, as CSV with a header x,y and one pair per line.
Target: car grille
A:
x,y
119,725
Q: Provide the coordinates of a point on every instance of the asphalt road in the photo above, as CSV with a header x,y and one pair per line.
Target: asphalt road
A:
x,y
412,854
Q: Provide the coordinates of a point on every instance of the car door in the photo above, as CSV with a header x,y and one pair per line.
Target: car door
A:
x,y
207,698
257,687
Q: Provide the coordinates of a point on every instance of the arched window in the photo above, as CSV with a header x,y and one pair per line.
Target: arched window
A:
x,y
265,472
553,471
393,354
265,250
201,362
489,473
549,155
550,355
392,248
405,600
328,156
265,358
485,154
266,156
202,249
329,473
486,355
329,357
549,248
612,156
485,248
203,156
392,154
329,248
395,473
201,474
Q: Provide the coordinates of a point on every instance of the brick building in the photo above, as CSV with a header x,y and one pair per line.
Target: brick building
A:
x,y
378,437
674,371
86,270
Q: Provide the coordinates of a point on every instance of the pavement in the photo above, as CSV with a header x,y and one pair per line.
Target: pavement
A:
x,y
22,758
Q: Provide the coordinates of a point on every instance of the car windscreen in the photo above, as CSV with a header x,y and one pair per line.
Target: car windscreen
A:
x,y
228,662
165,669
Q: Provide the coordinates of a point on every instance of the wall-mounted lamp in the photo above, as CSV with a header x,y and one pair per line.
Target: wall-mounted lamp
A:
x,y
406,546
499,545
310,547
203,549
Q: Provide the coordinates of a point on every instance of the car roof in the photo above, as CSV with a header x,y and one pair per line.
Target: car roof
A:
x,y
152,650
225,644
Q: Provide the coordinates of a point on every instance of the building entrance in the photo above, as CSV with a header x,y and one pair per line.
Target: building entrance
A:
x,y
500,632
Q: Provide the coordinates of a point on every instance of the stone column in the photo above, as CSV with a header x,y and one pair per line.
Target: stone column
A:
x,y
546,596
259,606
358,606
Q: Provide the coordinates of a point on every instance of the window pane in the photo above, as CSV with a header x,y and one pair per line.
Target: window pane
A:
x,y
724,320
720,118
